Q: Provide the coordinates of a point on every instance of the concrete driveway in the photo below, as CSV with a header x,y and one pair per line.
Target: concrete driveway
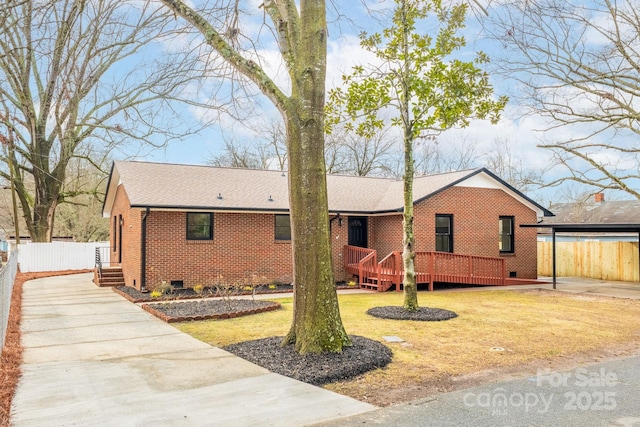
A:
x,y
577,285
94,359
582,285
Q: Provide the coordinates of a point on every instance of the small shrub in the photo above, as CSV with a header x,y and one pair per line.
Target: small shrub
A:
x,y
273,286
351,283
198,289
155,294
164,288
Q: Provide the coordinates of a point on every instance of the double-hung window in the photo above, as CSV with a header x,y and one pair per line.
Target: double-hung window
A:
x,y
199,226
444,233
505,228
282,227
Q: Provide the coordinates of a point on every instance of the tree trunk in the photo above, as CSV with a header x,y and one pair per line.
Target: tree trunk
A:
x,y
302,37
317,325
408,240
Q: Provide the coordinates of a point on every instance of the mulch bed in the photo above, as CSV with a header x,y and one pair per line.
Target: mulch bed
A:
x,y
135,296
317,369
185,311
425,314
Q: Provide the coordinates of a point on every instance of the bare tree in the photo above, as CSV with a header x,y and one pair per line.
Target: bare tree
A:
x,y
301,36
267,150
335,157
369,155
577,65
81,216
434,155
507,165
348,153
67,84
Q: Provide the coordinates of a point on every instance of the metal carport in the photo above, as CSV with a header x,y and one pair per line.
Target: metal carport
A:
x,y
583,228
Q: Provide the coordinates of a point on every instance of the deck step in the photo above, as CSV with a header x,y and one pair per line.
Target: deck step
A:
x,y
369,286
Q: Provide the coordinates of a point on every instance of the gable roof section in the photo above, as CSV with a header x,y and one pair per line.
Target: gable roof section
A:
x,y
188,187
591,212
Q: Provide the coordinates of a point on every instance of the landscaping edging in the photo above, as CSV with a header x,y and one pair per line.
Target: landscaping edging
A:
x,y
146,297
425,314
261,307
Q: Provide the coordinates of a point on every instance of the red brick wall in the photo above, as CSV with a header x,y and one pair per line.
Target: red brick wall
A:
x,y
339,238
475,226
387,235
243,244
131,243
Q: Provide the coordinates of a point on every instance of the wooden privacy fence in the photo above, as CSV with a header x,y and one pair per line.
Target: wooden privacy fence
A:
x,y
616,261
57,256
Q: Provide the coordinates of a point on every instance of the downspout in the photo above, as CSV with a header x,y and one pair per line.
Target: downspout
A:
x,y
553,255
143,253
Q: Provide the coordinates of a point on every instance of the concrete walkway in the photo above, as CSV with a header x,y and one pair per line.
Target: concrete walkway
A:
x,y
94,359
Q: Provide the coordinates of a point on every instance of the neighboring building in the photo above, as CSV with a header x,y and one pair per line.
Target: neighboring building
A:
x,y
594,211
189,224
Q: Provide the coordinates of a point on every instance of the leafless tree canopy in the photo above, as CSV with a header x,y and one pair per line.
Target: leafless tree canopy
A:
x,y
78,77
267,149
577,64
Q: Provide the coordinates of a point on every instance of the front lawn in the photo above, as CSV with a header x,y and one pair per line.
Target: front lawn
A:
x,y
496,333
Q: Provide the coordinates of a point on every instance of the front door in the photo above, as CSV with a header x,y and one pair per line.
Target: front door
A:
x,y
358,231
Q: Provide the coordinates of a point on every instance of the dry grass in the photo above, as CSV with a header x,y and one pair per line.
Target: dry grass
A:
x,y
535,328
11,357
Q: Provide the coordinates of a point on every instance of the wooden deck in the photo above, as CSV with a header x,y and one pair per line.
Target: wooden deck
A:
x,y
430,267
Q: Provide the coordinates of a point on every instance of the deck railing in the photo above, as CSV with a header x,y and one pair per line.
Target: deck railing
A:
x,y
430,267
102,258
368,267
390,270
457,268
352,255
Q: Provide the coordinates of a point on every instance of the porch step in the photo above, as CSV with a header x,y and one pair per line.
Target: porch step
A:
x,y
369,286
111,276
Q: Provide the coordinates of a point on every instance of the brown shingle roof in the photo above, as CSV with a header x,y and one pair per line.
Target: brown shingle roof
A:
x,y
173,186
590,212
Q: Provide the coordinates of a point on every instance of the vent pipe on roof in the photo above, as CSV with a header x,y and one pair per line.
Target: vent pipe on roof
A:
x,y
219,196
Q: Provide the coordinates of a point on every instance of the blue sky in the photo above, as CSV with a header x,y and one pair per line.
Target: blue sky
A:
x,y
343,52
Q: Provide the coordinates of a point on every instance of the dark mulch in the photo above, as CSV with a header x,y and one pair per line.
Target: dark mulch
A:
x,y
317,369
426,314
134,295
184,311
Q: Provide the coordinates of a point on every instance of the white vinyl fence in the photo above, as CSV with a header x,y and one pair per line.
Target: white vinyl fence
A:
x,y
57,256
7,278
